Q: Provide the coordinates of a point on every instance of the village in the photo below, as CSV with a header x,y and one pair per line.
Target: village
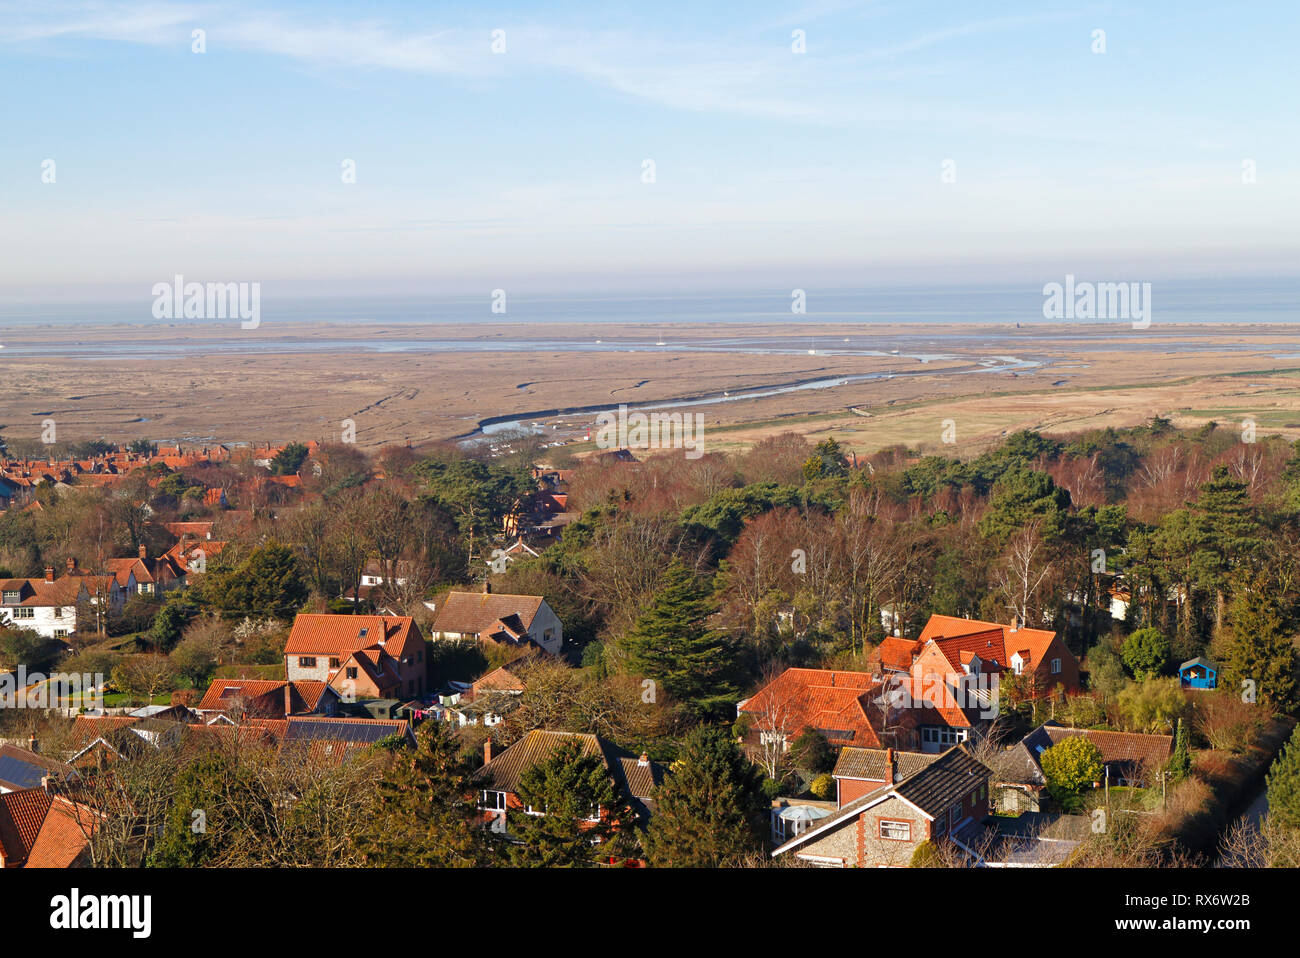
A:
x,y
310,611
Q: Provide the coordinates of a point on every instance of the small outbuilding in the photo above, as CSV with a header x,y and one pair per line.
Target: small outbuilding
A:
x,y
1198,673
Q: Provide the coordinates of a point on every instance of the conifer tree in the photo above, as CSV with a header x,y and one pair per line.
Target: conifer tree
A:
x,y
1257,646
578,816
710,811
1180,763
425,812
672,644
1284,785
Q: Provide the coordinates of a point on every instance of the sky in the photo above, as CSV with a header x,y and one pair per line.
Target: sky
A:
x,y
908,142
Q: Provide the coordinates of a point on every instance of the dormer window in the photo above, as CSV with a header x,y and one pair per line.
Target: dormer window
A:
x,y
12,596
362,634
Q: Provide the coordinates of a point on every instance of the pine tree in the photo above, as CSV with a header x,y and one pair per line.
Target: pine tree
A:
x,y
672,644
710,811
578,818
1284,785
1257,646
425,814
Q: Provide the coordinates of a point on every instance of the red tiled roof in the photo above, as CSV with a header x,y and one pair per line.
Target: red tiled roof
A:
x,y
340,635
836,703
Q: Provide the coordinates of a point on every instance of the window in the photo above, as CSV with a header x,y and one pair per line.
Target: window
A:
x,y
595,814
493,801
1056,666
60,633
11,597
896,831
306,662
58,611
941,735
334,661
24,612
352,672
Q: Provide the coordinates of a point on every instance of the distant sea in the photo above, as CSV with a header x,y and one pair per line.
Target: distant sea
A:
x,y
1173,301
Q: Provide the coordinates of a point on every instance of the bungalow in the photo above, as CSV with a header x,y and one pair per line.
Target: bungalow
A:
x,y
941,801
498,780
515,620
358,656
1129,758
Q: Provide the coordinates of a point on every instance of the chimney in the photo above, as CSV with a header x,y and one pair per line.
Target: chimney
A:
x,y
72,565
644,760
144,552
487,751
487,587
832,680
49,573
31,743
288,699
1015,623
889,766
45,782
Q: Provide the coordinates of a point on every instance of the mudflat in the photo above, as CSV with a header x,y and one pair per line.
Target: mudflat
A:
x,y
869,385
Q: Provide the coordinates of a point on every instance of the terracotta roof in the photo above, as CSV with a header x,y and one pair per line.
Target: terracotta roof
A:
x,y
40,830
837,704
264,696
896,653
339,635
485,612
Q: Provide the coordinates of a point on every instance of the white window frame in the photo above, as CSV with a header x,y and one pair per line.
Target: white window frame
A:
x,y
894,825
1056,666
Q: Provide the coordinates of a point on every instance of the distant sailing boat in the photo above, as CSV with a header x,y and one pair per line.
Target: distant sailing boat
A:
x,y
661,339
811,351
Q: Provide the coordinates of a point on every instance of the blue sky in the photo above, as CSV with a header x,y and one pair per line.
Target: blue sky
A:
x,y
523,169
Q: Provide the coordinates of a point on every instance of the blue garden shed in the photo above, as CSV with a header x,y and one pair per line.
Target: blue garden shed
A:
x,y
1198,673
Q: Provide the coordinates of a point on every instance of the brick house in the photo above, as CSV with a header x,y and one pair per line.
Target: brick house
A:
x,y
859,771
358,656
940,802
150,576
951,646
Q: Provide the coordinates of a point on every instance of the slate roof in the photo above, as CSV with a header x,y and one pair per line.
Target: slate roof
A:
x,y
20,768
932,789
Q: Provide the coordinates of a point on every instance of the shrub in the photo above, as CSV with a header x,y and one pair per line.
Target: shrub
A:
x,y
823,786
1071,766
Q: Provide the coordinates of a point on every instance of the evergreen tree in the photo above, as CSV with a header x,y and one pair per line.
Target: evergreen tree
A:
x,y
710,812
672,644
266,583
1146,653
1230,533
195,832
1284,785
579,816
1180,763
425,813
1257,646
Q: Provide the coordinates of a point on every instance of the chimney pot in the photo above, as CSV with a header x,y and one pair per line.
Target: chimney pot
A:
x,y
49,573
644,760
72,565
